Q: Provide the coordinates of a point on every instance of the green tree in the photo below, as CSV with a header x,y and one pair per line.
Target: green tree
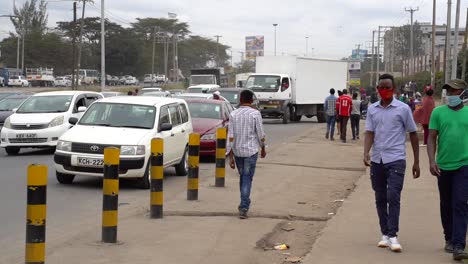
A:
x,y
31,17
402,40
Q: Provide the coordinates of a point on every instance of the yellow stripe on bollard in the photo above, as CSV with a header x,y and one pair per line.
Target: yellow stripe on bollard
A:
x,y
157,178
220,172
36,213
193,162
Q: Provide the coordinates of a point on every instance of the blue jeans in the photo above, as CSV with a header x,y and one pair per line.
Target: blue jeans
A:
x,y
331,125
387,183
453,193
246,168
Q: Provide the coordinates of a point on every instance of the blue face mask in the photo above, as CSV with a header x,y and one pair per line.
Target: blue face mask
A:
x,y
454,100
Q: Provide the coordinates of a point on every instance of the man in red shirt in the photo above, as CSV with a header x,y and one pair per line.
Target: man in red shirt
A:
x,y
344,105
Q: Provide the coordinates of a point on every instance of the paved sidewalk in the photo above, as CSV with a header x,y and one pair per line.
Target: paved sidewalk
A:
x,y
352,235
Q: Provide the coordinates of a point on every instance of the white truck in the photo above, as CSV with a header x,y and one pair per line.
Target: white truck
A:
x,y
43,77
241,79
291,87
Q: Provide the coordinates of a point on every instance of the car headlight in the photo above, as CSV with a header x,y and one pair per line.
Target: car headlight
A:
x,y
7,123
56,121
64,145
208,137
132,150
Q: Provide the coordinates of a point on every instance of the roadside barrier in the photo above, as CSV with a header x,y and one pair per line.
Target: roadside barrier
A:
x,y
36,214
220,174
157,177
110,193
193,162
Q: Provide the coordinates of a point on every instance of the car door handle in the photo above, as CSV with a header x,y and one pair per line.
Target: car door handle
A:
x,y
172,134
183,130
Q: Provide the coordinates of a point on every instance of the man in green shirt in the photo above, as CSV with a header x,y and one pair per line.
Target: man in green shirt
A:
x,y
448,134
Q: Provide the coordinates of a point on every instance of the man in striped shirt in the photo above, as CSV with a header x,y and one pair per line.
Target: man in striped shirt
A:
x,y
246,137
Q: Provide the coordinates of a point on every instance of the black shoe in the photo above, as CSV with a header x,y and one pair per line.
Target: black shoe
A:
x,y
448,247
357,137
326,135
243,214
459,254
332,139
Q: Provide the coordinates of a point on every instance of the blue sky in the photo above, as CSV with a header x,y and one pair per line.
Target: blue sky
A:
x,y
334,27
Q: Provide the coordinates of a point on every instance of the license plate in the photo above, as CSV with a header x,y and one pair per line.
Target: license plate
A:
x,y
90,162
26,135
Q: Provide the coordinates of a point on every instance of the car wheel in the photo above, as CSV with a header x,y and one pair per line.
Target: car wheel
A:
x,y
144,182
12,151
182,167
286,115
64,178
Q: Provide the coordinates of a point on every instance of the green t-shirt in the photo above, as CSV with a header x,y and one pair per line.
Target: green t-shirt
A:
x,y
452,152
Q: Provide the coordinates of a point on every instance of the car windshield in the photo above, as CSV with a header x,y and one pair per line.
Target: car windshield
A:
x,y
3,95
8,104
46,104
231,96
119,115
202,79
263,83
205,110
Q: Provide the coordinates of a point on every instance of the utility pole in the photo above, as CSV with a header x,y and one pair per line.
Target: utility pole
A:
x,y
448,48
275,25
78,61
242,56
307,46
455,42
166,55
371,82
103,49
392,55
411,68
23,33
434,6
465,51
74,46
152,60
217,50
378,54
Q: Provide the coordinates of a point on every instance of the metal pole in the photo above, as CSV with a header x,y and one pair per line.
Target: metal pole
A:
x,y
22,49
174,71
411,68
371,81
194,160
392,57
74,46
447,41
275,36
177,57
103,49
455,42
217,50
18,52
78,61
378,55
152,60
110,193
157,178
220,169
463,76
434,6
307,46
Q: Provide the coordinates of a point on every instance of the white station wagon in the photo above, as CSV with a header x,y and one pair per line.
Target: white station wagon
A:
x,y
43,118
129,123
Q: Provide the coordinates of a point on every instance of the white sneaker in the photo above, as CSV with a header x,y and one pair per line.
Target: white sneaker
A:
x,y
384,243
394,245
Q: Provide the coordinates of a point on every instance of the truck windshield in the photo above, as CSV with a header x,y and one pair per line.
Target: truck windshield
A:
x,y
202,79
263,83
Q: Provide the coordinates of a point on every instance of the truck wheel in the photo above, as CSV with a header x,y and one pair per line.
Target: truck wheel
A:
x,y
12,151
64,178
297,118
286,115
321,117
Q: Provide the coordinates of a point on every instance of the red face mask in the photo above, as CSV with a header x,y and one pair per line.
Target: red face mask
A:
x,y
385,94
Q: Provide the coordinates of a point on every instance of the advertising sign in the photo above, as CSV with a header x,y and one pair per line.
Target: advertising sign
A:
x,y
254,46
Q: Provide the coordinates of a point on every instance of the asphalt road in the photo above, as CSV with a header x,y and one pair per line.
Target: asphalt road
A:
x,y
70,206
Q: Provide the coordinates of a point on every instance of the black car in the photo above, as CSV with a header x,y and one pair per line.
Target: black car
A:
x,y
8,103
233,96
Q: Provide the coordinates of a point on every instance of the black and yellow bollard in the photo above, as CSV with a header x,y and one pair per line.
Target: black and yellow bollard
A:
x,y
157,176
36,214
193,162
110,193
220,174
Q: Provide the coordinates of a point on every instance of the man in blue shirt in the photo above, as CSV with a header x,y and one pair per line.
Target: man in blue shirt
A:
x,y
330,111
386,125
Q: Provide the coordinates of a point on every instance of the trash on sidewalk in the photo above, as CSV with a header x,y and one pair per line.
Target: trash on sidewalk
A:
x,y
281,247
287,229
339,201
301,203
331,213
293,259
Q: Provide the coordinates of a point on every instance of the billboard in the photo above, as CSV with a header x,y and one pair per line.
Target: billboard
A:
x,y
254,46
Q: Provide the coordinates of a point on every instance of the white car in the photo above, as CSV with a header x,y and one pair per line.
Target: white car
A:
x,y
63,81
18,81
203,88
129,123
131,81
43,118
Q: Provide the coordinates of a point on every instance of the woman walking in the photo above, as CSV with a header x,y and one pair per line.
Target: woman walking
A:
x,y
423,114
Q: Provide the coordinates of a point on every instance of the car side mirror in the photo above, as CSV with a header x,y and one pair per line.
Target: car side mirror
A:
x,y
81,109
165,127
14,110
73,120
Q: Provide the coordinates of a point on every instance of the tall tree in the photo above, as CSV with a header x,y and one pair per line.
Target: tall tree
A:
x,y
31,17
402,40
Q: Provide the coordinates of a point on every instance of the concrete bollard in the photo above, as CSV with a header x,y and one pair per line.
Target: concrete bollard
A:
x,y
193,162
110,193
220,174
157,177
36,214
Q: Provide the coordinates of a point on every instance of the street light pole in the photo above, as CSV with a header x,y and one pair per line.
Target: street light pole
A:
x,y
103,49
455,42
275,25
307,46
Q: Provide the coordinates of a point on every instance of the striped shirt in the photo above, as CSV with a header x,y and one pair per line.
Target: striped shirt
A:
x,y
330,105
246,128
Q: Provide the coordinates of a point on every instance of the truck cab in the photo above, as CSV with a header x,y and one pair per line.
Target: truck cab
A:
x,y
274,92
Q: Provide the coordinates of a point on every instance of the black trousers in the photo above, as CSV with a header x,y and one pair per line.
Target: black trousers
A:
x,y
355,119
